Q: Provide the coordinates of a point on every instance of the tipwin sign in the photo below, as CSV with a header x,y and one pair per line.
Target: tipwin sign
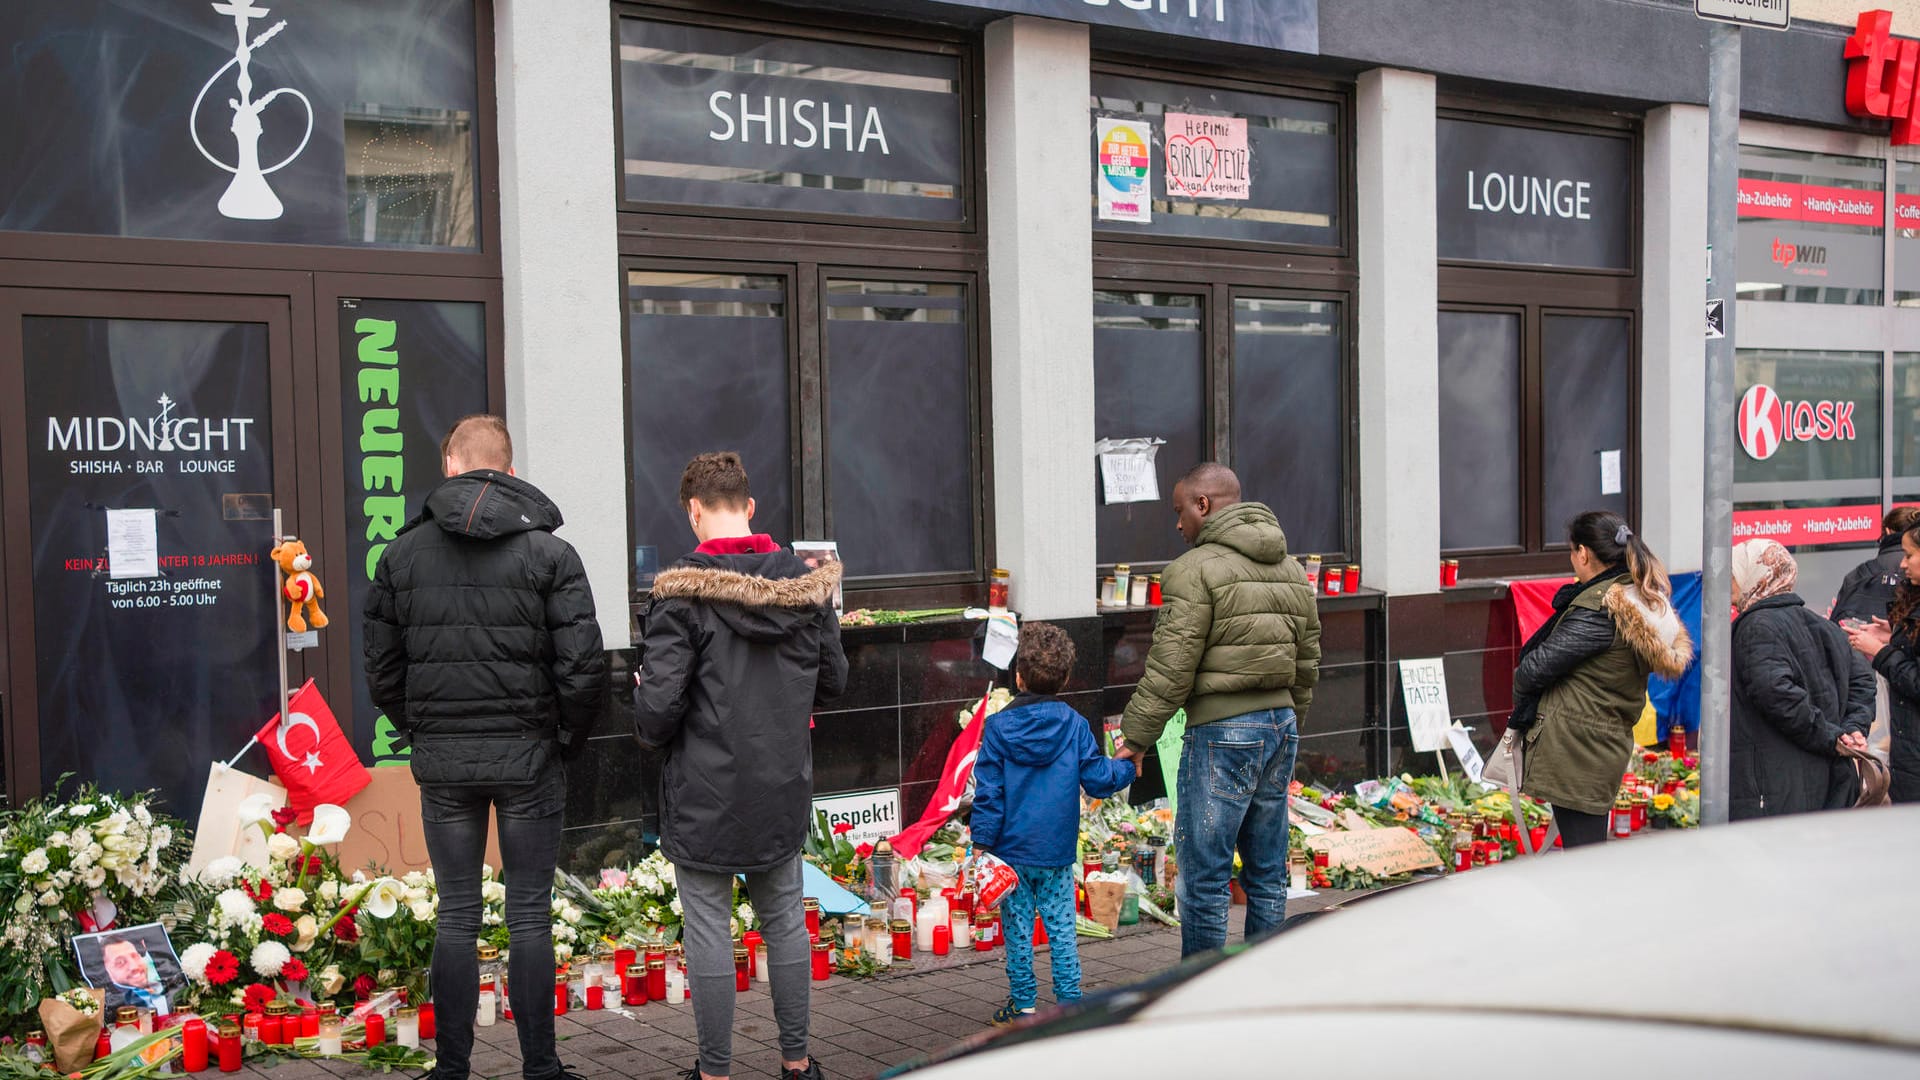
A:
x,y
1766,422
1880,75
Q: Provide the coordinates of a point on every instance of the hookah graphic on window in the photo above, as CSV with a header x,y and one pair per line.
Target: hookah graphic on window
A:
x,y
248,197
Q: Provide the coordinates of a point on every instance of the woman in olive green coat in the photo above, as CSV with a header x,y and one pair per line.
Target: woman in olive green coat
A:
x,y
1582,678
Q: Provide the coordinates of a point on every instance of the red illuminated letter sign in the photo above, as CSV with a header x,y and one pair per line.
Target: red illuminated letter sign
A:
x,y
1880,75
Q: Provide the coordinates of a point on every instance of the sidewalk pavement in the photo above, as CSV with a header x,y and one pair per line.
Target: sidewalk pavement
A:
x,y
859,1026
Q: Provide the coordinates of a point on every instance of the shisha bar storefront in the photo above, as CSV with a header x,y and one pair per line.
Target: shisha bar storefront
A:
x,y
248,261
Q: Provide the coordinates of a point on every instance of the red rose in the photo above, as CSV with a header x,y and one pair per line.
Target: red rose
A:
x,y
258,997
843,828
363,986
294,970
284,817
315,864
222,966
276,924
345,931
865,851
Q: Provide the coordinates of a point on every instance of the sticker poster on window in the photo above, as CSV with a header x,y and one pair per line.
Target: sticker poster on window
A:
x,y
1124,174
1207,157
1127,469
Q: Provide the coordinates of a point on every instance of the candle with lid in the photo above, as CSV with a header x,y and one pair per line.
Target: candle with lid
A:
x,y
633,985
741,977
822,961
406,1027
811,907
656,976
231,1053
193,1044
329,1035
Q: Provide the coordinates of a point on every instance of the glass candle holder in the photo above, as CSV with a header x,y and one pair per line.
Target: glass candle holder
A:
x,y
376,1029
406,1028
193,1045
231,1049
656,977
811,907
633,984
822,961
741,977
329,1035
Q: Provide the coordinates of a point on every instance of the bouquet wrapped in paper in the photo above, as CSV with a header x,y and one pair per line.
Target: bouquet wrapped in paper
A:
x,y
72,1022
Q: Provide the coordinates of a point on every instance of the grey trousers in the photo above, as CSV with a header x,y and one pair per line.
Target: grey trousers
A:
x,y
706,904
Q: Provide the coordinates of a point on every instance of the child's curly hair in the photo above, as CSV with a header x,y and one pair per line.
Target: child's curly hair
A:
x,y
1046,658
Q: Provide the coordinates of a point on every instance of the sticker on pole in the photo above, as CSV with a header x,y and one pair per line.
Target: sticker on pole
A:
x,y
1764,14
1716,319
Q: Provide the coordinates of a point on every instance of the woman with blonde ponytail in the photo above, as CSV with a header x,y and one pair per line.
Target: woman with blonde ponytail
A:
x,y
1582,678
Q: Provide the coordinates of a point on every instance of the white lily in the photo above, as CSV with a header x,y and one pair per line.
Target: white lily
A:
x,y
257,809
384,899
330,825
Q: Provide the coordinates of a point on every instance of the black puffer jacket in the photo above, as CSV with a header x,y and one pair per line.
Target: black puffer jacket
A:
x,y
481,641
1797,687
739,650
1868,591
1897,664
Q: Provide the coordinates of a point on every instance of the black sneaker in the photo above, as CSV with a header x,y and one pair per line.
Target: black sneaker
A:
x,y
693,1073
1009,1013
811,1072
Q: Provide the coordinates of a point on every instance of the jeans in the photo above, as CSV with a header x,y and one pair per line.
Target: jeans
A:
x,y
1578,829
1234,775
455,821
1046,891
706,903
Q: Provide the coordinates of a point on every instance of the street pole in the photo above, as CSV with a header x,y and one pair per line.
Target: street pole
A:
x,y
1716,587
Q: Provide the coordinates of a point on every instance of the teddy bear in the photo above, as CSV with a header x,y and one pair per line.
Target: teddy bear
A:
x,y
301,587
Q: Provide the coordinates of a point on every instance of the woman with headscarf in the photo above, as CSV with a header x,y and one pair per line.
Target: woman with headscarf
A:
x,y
1581,682
1801,696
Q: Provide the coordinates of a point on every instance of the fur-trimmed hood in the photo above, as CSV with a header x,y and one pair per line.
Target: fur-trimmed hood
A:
x,y
1653,628
761,596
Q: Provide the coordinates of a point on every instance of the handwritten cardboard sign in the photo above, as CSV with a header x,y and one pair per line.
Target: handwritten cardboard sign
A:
x,y
1207,157
387,829
1380,852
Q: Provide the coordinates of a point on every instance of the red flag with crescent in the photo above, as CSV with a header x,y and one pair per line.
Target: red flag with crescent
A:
x,y
954,781
312,755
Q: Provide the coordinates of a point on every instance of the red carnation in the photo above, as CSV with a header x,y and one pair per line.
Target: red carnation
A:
x,y
258,997
294,970
865,851
843,828
260,893
222,966
363,987
276,924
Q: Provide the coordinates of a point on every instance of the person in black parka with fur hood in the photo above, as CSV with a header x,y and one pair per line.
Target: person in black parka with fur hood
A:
x,y
741,645
1800,694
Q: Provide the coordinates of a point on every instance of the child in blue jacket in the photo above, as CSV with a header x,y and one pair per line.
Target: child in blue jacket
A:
x,y
1036,756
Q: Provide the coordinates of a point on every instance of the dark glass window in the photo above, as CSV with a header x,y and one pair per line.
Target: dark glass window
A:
x,y
1807,464
708,369
1480,435
1293,163
901,484
1149,371
120,120
1586,384
728,118
1290,416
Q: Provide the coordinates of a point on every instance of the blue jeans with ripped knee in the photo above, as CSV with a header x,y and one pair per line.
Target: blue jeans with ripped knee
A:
x,y
1233,783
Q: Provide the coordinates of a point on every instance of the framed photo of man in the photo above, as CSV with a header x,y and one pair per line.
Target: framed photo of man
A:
x,y
134,965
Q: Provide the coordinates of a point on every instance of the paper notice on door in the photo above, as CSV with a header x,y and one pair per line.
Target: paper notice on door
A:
x,y
1127,469
133,544
1609,472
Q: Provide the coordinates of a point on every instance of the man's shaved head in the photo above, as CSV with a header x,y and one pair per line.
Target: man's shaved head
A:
x,y
479,441
1208,487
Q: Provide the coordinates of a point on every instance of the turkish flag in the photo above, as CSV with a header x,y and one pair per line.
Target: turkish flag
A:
x,y
312,755
953,786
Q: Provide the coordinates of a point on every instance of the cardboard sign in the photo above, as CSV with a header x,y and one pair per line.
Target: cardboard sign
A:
x,y
387,830
1380,852
874,815
1423,683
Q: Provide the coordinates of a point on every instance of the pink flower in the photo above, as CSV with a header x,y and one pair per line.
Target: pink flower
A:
x,y
613,879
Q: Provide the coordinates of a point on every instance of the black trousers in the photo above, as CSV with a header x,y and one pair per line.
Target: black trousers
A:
x,y
1578,829
455,821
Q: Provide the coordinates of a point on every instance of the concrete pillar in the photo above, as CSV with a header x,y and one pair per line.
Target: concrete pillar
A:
x,y
1040,289
1672,333
564,357
1399,333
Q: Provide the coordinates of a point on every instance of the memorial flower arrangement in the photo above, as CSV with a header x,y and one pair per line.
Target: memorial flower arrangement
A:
x,y
634,905
568,926
70,866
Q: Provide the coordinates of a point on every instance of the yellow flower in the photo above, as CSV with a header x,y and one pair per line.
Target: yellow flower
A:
x,y
1663,802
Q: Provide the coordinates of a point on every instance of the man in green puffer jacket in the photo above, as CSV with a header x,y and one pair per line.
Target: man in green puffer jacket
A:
x,y
1238,646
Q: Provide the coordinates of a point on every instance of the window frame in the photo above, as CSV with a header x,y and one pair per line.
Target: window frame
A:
x,y
825,28
1536,292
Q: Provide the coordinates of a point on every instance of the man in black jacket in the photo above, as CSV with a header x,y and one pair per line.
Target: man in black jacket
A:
x,y
483,649
741,645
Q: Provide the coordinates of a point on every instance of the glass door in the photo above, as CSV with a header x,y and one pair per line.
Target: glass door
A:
x,y
144,442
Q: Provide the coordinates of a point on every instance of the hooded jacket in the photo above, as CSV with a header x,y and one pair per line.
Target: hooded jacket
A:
x,y
1589,676
1867,592
481,643
1239,631
739,650
1797,687
1036,756
1899,664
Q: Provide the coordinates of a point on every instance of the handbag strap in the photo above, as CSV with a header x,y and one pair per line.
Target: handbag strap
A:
x,y
1875,777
